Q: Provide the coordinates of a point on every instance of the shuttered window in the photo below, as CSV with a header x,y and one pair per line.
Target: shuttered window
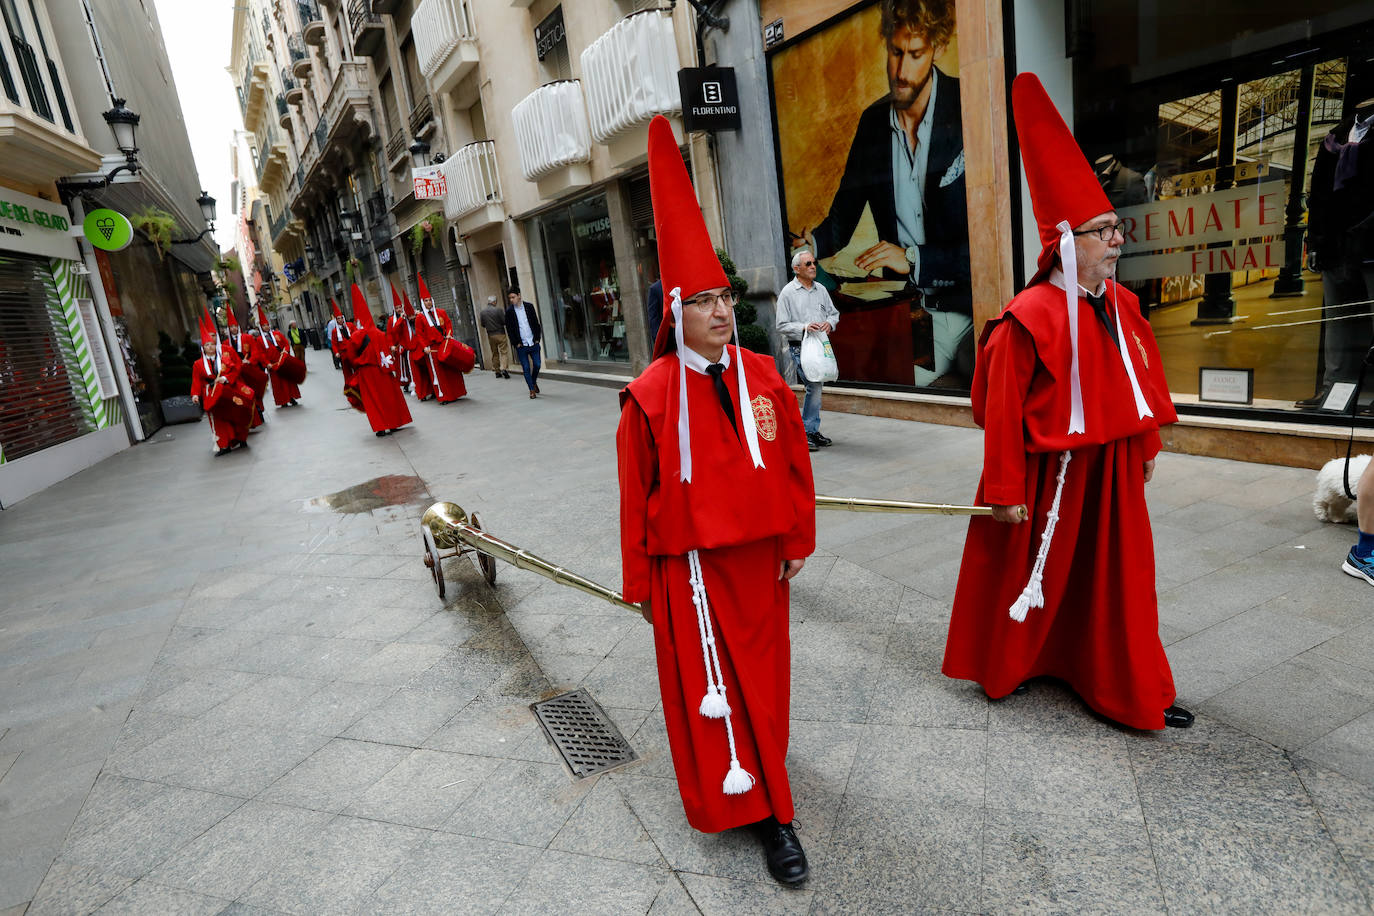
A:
x,y
39,372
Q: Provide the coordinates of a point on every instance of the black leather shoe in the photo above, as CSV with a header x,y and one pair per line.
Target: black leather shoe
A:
x,y
786,859
1021,689
223,451
812,445
1177,717
822,441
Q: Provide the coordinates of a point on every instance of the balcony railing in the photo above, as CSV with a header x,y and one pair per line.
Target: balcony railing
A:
x,y
395,145
312,23
321,135
551,129
376,210
630,74
439,27
283,113
278,226
367,27
288,82
421,114
472,179
300,61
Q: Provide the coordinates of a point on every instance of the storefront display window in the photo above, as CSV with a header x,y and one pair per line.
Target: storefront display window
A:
x,y
1249,215
582,288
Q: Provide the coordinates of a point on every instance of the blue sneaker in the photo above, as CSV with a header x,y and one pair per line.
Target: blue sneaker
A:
x,y
1359,567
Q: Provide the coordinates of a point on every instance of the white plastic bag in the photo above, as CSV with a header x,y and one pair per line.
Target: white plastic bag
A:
x,y
817,358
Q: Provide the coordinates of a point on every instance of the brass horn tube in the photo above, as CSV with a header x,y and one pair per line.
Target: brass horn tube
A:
x,y
456,525
860,504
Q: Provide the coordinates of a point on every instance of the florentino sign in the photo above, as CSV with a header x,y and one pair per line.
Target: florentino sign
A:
x,y
710,100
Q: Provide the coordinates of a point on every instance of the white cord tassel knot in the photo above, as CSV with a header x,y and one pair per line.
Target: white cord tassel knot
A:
x,y
1033,594
714,705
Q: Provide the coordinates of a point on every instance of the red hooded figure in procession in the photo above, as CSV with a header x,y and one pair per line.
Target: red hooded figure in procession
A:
x,y
216,387
398,334
275,351
414,345
369,354
446,358
717,513
249,351
1070,390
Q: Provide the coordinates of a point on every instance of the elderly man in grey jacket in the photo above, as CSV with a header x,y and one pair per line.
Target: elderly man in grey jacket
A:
x,y
804,305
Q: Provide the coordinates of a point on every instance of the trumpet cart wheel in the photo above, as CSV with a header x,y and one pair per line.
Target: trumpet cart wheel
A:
x,y
486,564
436,569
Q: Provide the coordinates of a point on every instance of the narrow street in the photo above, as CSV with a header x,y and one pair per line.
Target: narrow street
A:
x,y
227,685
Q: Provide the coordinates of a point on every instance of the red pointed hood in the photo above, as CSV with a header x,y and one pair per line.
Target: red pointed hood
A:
x,y
410,309
231,321
262,318
395,301
686,259
208,333
1062,185
426,300
362,316
334,307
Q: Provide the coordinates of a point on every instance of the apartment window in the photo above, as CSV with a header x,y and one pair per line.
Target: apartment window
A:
x,y
53,76
11,90
551,47
27,61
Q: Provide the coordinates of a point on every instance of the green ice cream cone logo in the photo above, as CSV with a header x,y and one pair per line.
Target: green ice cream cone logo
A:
x,y
108,230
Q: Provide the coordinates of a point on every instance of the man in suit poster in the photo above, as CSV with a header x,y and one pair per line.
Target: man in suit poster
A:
x,y
897,222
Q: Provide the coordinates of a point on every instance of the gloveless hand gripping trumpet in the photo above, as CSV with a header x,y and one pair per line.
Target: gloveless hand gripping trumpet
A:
x,y
448,527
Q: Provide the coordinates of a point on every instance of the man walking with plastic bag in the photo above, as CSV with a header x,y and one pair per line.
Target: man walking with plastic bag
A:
x,y
804,310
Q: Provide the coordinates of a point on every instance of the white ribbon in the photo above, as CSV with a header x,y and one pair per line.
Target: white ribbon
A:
x,y
1142,408
1068,256
746,410
684,429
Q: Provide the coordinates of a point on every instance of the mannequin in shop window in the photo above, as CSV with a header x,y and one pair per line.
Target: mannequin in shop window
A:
x,y
1340,244
1123,185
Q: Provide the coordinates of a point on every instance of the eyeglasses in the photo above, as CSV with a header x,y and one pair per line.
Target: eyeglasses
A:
x,y
806,263
1105,233
706,303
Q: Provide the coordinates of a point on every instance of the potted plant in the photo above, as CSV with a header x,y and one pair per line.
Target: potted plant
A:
x,y
426,231
174,381
158,226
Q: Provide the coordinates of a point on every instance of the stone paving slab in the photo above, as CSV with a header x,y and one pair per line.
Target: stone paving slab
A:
x,y
250,700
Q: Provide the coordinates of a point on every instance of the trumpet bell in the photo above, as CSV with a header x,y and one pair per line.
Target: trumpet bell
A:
x,y
440,520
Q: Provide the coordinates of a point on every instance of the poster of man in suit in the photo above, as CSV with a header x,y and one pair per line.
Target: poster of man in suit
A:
x,y
871,158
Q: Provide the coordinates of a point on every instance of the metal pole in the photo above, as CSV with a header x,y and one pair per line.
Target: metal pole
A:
x,y
1289,282
1217,306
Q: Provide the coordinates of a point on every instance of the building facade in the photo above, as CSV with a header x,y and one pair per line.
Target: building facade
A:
x,y
79,327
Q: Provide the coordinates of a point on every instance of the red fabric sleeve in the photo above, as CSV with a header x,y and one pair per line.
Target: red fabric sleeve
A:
x,y
1153,444
637,461
800,542
1010,357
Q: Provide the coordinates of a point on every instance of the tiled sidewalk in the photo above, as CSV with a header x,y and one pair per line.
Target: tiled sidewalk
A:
x,y
219,695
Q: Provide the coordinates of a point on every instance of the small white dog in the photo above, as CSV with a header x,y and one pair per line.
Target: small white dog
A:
x,y
1330,502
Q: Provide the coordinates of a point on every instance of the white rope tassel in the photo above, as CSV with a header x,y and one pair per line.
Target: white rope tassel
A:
x,y
1033,595
1142,408
714,706
684,429
1068,257
746,410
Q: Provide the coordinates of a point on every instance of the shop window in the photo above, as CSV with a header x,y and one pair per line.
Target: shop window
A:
x,y
582,283
1243,240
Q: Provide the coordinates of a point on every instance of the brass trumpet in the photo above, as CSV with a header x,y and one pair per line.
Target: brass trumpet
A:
x,y
445,526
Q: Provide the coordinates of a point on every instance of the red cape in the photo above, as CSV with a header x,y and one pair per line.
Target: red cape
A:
x,y
383,401
1099,628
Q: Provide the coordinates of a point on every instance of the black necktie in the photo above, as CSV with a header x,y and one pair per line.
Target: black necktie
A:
x,y
716,370
1099,304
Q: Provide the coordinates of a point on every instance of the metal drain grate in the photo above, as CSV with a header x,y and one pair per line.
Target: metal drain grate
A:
x,y
583,733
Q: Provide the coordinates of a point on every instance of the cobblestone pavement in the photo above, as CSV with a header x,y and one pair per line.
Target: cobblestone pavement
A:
x,y
227,685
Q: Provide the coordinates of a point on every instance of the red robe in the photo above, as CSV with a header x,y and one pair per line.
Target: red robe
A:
x,y
1099,628
448,383
250,352
398,336
272,349
227,424
745,522
383,401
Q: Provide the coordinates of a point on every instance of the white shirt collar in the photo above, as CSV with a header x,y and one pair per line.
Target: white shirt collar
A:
x,y
698,363
1057,278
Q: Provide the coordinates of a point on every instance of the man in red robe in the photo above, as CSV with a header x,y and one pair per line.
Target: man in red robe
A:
x,y
398,333
436,333
716,515
415,354
1069,387
215,386
252,371
273,347
368,352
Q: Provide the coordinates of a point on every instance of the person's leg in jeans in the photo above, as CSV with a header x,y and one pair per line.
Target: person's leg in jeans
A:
x,y
811,403
535,363
523,354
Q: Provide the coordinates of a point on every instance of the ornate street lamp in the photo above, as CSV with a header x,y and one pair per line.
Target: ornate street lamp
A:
x,y
207,210
419,154
124,124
